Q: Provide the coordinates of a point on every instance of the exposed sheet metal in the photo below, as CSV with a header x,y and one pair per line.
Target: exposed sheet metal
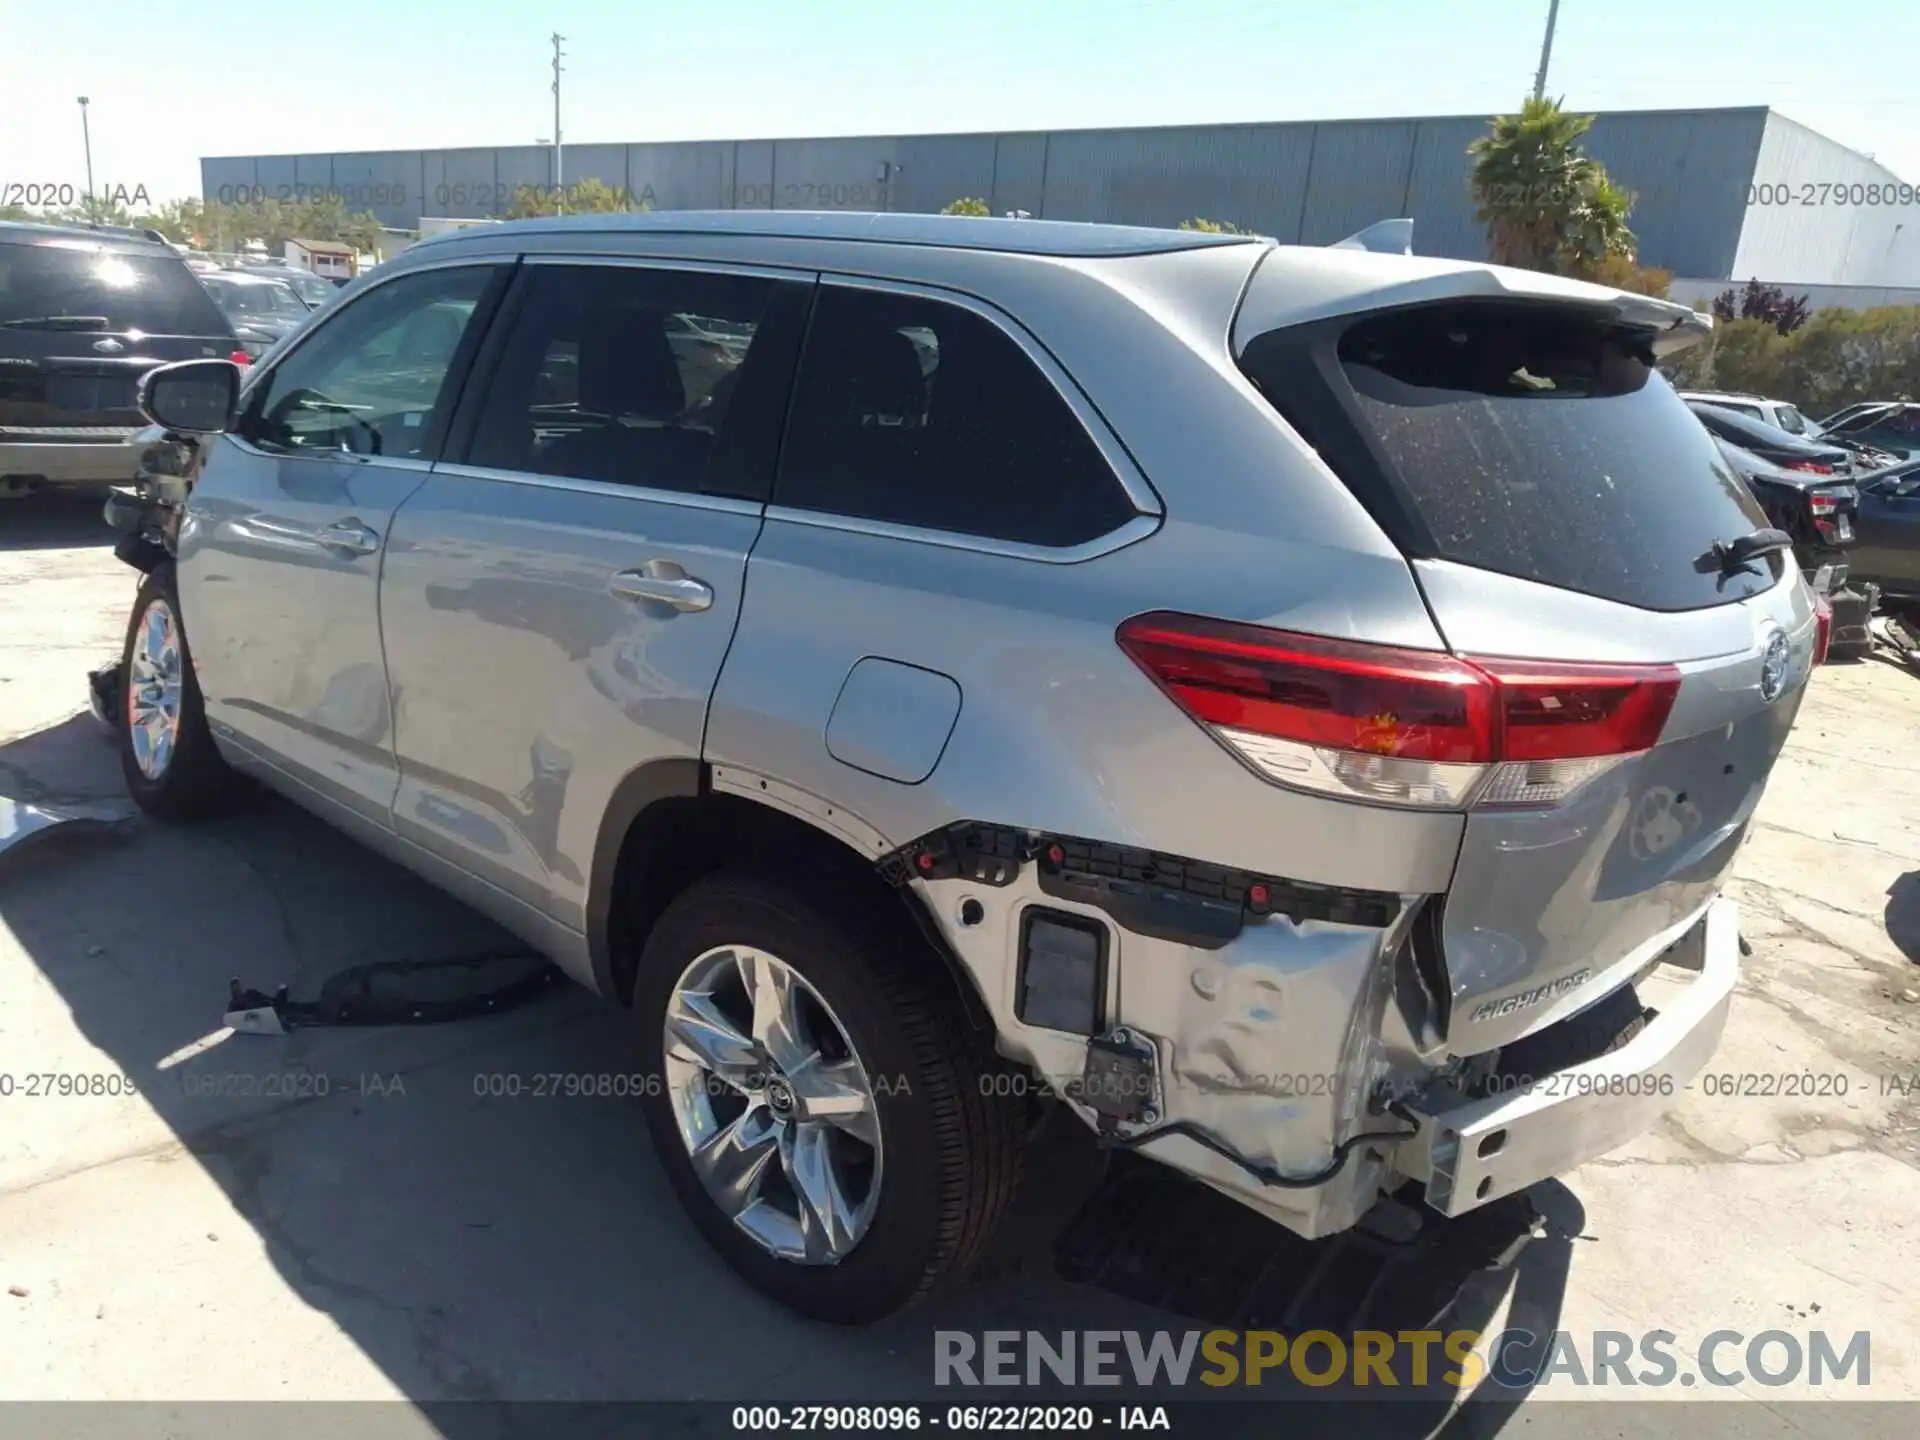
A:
x,y
21,821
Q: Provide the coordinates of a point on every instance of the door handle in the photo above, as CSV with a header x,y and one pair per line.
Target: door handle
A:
x,y
350,536
664,582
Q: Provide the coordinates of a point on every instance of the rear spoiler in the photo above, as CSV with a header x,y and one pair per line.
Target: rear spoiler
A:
x,y
1296,285
1383,237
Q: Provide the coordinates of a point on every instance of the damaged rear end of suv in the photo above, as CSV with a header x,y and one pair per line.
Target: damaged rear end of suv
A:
x,y
1435,900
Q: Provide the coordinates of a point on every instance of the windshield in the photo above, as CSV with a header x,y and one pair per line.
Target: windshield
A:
x,y
272,298
80,287
1791,420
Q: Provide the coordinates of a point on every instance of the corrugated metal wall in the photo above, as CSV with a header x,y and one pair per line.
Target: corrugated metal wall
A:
x,y
1308,182
1821,214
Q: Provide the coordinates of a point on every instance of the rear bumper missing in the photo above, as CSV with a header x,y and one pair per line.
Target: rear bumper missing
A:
x,y
1474,1152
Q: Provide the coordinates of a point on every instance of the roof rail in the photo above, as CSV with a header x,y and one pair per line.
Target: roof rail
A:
x,y
1383,237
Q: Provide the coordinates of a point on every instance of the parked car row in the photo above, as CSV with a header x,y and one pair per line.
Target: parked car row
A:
x,y
1846,490
1875,433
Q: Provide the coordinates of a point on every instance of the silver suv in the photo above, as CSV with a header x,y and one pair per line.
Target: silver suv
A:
x,y
1281,704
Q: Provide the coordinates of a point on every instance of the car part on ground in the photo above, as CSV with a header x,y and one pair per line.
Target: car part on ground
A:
x,y
397,992
22,822
84,313
1312,736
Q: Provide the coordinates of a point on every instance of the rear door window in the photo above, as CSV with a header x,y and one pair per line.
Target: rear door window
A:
x,y
1534,441
640,375
60,285
917,412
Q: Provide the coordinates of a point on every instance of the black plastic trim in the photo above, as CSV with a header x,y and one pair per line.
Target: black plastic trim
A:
x,y
1148,892
654,781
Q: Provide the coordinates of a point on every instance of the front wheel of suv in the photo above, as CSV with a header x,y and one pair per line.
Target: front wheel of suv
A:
x,y
167,754
823,1110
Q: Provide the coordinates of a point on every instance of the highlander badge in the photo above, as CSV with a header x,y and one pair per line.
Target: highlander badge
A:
x,y
1526,999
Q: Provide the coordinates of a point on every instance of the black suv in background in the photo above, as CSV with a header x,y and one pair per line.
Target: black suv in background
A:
x,y
83,315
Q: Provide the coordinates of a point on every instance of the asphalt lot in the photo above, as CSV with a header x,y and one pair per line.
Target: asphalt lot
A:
x,y
402,1237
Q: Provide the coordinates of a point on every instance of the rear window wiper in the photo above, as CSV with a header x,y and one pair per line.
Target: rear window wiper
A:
x,y
56,322
1727,556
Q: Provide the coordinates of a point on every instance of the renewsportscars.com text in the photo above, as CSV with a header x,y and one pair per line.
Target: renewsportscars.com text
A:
x,y
1514,1358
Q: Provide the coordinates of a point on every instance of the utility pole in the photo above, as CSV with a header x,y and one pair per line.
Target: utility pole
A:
x,y
86,139
1546,50
559,182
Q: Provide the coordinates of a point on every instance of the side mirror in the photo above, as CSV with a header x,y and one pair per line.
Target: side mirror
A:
x,y
192,397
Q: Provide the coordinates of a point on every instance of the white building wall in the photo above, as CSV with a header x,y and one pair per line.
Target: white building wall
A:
x,y
1819,213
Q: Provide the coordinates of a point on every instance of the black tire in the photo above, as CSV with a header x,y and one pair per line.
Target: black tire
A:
x,y
194,782
951,1149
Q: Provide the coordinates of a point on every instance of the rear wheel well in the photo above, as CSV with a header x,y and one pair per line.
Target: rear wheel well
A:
x,y
678,839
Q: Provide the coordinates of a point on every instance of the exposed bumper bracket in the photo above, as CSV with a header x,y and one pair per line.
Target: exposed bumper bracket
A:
x,y
1473,1152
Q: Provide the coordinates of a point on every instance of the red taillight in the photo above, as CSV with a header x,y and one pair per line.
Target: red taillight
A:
x,y
1411,727
1554,711
1810,467
1823,633
241,358
1416,704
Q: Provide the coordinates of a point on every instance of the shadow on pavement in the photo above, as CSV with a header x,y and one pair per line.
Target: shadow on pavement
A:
x,y
485,1248
54,520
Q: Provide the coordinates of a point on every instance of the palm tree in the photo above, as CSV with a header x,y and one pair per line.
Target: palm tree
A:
x,y
1546,205
1598,225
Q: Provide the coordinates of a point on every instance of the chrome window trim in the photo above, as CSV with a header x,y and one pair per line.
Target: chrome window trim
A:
x,y
1130,532
1133,483
396,462
688,499
803,274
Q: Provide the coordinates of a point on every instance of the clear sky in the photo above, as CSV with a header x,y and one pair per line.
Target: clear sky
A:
x,y
173,80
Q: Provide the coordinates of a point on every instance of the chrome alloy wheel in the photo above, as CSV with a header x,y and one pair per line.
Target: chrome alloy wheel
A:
x,y
153,690
773,1104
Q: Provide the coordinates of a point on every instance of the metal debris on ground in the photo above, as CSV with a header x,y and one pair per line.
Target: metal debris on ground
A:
x,y
21,821
397,992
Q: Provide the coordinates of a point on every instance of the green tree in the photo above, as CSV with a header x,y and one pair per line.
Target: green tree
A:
x,y
1763,302
583,197
966,205
1213,227
1546,205
1837,358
